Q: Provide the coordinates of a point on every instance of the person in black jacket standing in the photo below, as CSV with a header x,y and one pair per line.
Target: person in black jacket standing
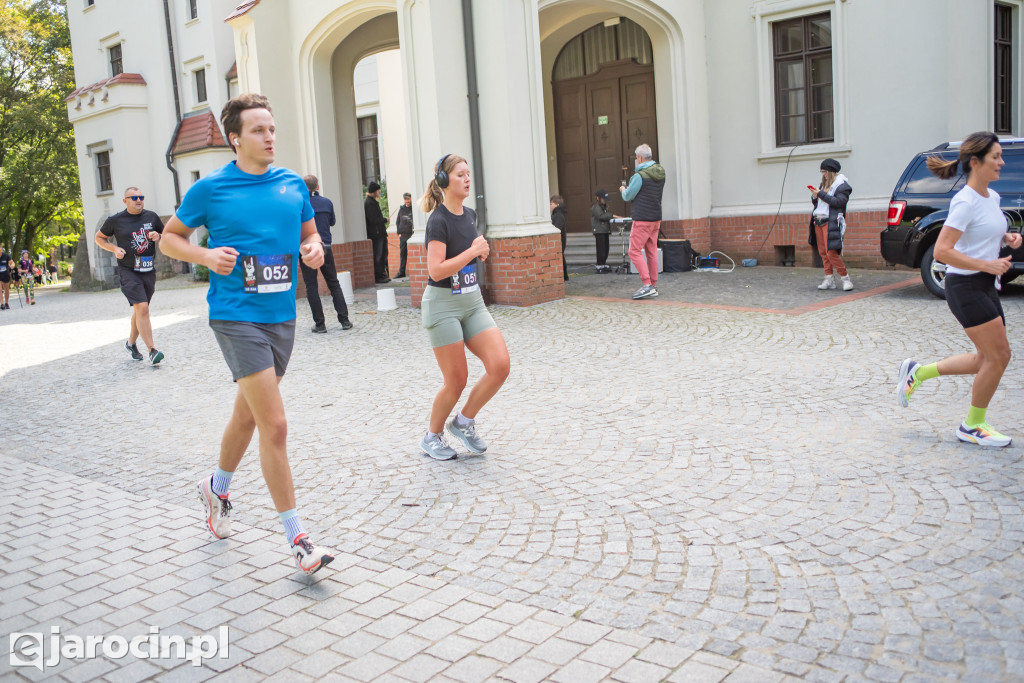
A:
x,y
403,224
558,212
828,222
377,232
323,216
600,223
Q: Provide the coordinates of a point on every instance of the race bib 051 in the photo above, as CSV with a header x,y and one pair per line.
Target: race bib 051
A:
x,y
465,280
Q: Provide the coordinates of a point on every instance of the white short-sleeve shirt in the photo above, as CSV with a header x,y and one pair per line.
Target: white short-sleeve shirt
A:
x,y
982,223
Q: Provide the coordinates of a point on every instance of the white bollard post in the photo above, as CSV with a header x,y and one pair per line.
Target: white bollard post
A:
x,y
386,300
345,278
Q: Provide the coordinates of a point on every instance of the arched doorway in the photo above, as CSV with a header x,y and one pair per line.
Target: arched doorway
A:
x,y
604,106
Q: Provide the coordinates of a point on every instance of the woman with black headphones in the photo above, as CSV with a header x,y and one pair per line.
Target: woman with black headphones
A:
x,y
969,245
453,309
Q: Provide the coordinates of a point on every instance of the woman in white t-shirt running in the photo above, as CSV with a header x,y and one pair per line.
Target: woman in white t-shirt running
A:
x,y
969,245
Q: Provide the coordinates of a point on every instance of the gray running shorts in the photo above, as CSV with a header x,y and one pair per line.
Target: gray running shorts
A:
x,y
450,318
249,348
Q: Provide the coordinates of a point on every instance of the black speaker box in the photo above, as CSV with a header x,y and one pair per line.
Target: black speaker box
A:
x,y
677,254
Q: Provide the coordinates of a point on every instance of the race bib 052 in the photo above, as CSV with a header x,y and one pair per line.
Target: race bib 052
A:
x,y
267,274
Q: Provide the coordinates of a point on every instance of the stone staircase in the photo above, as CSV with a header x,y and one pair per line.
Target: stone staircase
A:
x,y
581,249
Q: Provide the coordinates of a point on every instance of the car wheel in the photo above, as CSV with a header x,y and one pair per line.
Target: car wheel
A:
x,y
933,273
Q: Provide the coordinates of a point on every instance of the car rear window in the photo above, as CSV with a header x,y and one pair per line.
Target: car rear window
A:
x,y
923,181
1011,177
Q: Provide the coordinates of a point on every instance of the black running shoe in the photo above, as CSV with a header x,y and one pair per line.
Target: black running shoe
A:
x,y
134,350
320,328
155,356
346,324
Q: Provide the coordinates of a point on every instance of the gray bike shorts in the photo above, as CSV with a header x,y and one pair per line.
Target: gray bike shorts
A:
x,y
450,318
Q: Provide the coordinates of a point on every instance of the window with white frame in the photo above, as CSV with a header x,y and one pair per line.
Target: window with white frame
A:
x,y
193,9
369,153
801,83
195,177
1003,63
802,60
200,78
104,182
114,54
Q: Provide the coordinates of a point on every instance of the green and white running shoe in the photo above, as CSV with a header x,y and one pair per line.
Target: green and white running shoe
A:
x,y
907,384
983,435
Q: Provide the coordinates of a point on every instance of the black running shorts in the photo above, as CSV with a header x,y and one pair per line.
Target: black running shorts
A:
x,y
973,299
138,288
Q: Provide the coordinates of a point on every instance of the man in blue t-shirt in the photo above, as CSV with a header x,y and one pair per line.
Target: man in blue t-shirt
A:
x,y
260,225
323,210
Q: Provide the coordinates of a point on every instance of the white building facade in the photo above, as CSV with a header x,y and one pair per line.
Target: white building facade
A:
x,y
740,99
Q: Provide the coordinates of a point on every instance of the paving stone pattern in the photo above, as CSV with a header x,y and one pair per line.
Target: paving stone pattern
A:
x,y
670,493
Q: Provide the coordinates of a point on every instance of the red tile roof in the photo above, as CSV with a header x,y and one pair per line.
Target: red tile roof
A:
x,y
197,132
241,9
135,79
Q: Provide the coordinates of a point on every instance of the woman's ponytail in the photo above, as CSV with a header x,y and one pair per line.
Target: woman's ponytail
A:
x,y
432,197
943,169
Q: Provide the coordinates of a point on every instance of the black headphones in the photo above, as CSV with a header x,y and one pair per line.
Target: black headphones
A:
x,y
441,177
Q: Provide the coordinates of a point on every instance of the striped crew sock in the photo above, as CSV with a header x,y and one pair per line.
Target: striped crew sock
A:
x,y
292,525
221,481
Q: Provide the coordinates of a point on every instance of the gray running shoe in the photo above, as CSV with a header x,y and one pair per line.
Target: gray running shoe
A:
x,y
645,292
437,448
467,435
134,350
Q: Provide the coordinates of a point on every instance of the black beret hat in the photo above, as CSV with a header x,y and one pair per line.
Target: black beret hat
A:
x,y
830,165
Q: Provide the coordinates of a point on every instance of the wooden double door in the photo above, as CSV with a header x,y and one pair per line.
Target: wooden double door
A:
x,y
599,120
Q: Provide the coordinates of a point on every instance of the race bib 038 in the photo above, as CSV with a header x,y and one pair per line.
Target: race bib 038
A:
x,y
143,264
267,274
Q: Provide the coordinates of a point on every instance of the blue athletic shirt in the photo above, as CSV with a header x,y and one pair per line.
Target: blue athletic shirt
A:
x,y
258,215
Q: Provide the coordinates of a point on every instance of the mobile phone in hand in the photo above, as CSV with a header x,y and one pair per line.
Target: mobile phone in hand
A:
x,y
812,188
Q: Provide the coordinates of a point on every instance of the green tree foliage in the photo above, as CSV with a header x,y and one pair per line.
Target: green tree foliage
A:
x,y
39,190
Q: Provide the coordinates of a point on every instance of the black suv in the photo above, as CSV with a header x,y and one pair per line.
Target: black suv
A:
x,y
920,204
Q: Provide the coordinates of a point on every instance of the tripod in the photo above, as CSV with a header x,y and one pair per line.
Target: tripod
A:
x,y
624,225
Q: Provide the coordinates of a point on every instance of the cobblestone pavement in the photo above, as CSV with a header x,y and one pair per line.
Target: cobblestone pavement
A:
x,y
670,492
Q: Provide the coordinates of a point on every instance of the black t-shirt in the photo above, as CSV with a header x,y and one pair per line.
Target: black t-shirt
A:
x,y
131,231
5,263
457,232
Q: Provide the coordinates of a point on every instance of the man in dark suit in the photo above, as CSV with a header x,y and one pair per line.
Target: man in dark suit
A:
x,y
323,216
377,232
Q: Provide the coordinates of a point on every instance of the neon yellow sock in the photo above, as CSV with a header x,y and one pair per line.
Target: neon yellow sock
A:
x,y
975,416
923,372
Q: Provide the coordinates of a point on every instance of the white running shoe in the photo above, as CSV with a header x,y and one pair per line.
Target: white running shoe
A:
x,y
308,557
907,384
983,435
218,510
847,283
828,283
